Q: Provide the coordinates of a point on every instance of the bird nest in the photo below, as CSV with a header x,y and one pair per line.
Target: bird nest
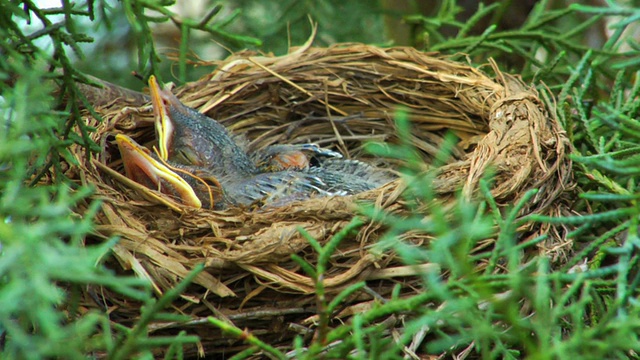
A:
x,y
338,97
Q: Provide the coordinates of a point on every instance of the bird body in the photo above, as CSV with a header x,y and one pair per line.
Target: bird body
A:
x,y
350,176
275,187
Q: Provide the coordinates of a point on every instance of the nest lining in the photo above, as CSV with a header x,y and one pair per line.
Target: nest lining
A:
x,y
340,97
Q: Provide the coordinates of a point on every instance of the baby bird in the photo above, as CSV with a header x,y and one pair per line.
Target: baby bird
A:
x,y
197,187
200,163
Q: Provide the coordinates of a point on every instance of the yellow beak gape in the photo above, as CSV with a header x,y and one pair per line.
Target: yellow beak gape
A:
x,y
164,127
143,168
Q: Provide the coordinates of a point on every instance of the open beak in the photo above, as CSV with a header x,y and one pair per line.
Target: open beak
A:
x,y
164,127
144,169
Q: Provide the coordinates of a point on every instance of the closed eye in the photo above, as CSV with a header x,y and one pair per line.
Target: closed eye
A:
x,y
188,156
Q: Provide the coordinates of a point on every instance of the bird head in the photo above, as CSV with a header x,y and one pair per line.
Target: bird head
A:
x,y
191,186
188,137
290,157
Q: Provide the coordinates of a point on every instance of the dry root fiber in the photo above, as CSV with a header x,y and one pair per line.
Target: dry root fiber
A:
x,y
338,97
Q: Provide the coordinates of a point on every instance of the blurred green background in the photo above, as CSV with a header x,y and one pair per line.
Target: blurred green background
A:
x,y
274,26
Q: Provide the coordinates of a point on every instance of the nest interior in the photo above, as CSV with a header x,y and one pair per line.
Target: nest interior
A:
x,y
339,97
